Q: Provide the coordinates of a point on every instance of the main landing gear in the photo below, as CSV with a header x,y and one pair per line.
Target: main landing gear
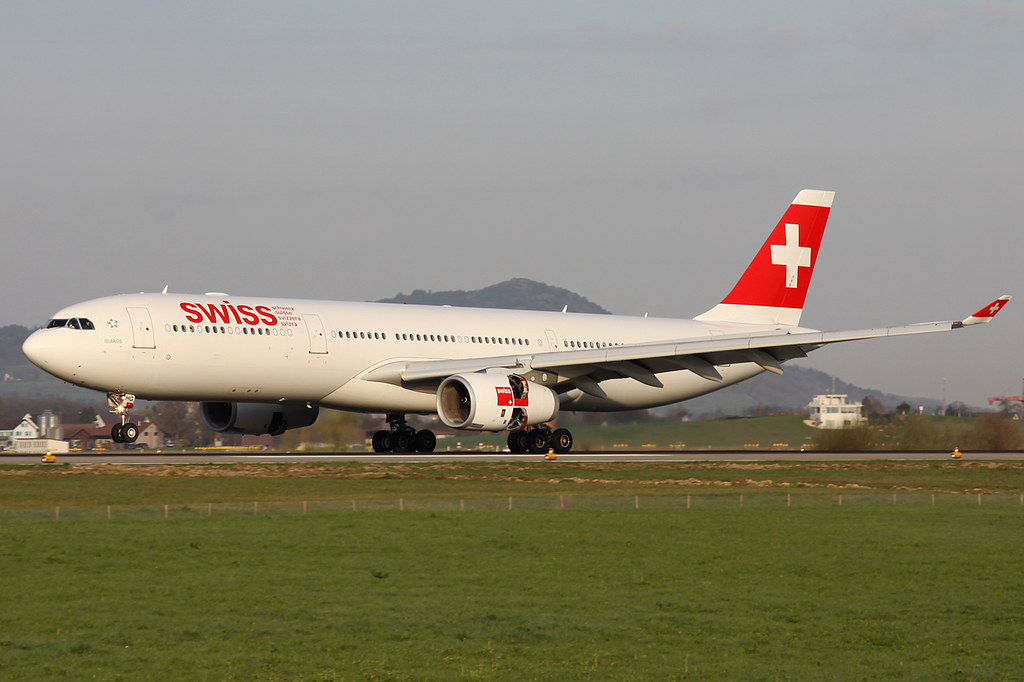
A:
x,y
403,438
125,432
539,440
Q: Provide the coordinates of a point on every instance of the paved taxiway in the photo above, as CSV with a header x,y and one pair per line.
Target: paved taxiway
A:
x,y
141,458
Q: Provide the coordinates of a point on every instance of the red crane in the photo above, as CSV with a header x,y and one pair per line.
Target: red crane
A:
x,y
1019,399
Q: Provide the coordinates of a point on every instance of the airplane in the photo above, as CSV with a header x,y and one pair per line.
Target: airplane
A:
x,y
264,365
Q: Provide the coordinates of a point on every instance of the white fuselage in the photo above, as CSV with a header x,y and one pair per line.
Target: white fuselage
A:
x,y
225,348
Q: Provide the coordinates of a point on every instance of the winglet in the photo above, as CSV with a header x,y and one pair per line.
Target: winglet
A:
x,y
986,314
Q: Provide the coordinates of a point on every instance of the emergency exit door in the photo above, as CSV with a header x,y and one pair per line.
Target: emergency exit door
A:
x,y
142,328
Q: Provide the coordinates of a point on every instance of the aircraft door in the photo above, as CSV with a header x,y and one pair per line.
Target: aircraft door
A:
x,y
142,328
552,339
317,338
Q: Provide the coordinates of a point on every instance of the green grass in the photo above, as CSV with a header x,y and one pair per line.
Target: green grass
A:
x,y
94,485
811,593
784,432
866,590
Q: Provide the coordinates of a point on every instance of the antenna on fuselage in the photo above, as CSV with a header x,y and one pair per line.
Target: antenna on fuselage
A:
x,y
165,289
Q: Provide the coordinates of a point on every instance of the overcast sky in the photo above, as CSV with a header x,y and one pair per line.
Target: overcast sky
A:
x,y
636,153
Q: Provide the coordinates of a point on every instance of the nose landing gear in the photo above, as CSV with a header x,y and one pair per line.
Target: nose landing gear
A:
x,y
126,431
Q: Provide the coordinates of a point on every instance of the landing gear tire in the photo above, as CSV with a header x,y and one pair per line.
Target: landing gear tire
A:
x,y
382,441
124,433
129,432
424,441
538,441
561,441
401,441
517,441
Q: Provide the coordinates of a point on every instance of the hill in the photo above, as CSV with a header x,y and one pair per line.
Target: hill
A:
x,y
13,363
513,294
791,391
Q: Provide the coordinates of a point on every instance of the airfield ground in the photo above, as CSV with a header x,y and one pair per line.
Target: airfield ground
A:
x,y
412,587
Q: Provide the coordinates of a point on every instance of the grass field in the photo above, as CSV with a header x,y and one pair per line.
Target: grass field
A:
x,y
781,432
785,432
818,592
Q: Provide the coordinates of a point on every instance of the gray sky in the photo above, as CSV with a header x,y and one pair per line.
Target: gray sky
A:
x,y
637,153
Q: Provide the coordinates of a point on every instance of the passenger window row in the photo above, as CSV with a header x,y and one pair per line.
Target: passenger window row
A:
x,y
437,338
84,323
590,344
214,329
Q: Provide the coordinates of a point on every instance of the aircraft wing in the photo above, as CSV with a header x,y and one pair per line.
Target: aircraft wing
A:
x,y
584,368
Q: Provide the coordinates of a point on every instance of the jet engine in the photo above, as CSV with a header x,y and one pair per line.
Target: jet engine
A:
x,y
257,418
494,402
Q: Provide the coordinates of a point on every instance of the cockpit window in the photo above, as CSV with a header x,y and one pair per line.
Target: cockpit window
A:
x,y
73,323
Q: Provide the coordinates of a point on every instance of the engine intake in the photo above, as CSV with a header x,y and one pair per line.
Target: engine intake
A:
x,y
494,402
256,418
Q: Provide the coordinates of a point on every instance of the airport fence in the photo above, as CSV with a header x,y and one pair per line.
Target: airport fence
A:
x,y
513,503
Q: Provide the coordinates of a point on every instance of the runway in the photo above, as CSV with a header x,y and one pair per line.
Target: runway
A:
x,y
666,456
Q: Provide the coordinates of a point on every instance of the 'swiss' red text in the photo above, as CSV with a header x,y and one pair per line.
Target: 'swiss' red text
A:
x,y
228,313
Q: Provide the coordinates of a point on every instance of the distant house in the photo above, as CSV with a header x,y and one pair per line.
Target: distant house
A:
x,y
91,436
24,429
834,411
86,436
150,436
28,436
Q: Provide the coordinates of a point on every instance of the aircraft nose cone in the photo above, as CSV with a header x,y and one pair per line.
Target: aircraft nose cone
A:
x,y
35,348
47,352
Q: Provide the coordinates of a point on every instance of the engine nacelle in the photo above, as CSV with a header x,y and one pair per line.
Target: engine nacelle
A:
x,y
494,402
256,418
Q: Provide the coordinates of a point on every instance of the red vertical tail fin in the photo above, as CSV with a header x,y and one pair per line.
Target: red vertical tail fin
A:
x,y
773,287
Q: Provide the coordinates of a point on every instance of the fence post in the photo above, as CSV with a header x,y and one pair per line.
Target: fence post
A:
x,y
510,503
166,511
840,499
789,499
979,499
687,501
741,500
255,508
108,512
57,517
636,502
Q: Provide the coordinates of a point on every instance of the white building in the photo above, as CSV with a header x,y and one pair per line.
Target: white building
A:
x,y
833,411
26,428
39,446
28,436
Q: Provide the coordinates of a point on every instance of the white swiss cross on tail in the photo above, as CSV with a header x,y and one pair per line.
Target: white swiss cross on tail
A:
x,y
792,255
767,294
